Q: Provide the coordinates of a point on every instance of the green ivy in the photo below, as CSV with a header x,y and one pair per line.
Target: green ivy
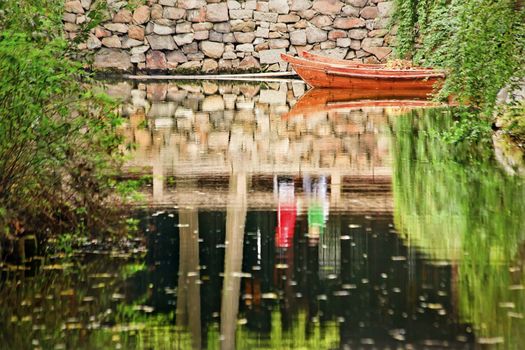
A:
x,y
480,43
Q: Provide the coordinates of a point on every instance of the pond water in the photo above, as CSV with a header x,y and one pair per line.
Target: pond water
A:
x,y
276,218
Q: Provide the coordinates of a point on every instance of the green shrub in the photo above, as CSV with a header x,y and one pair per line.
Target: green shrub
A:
x,y
481,44
58,141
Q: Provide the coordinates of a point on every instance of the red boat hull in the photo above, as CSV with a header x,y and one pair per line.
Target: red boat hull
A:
x,y
327,75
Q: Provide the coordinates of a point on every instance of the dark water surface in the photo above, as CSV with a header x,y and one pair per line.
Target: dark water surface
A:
x,y
275,220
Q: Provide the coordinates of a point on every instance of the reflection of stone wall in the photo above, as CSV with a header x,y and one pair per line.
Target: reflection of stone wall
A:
x,y
223,36
209,128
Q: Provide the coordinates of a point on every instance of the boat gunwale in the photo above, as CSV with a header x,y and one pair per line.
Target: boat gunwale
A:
x,y
380,72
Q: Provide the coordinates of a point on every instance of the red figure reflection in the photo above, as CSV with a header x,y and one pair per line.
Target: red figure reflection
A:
x,y
286,214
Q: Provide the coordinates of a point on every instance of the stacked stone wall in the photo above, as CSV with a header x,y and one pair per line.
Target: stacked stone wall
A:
x,y
213,36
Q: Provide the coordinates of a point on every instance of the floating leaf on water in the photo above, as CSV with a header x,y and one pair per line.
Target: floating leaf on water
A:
x,y
117,296
349,286
332,276
462,338
88,299
242,321
384,275
507,305
491,341
145,308
322,297
344,237
67,292
281,266
158,213
57,266
396,290
102,275
354,226
399,258
242,274
434,306
341,293
364,280
269,296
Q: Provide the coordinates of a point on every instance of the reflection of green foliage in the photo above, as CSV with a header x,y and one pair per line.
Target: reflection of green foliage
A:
x,y
455,203
300,336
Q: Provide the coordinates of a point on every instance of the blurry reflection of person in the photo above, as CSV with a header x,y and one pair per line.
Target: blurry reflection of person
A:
x,y
286,213
284,234
318,207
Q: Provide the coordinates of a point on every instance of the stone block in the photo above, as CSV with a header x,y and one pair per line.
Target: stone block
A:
x,y
245,48
298,37
369,12
271,56
161,42
244,38
357,34
385,8
112,59
300,5
348,23
183,39
117,27
315,35
262,32
183,27
136,32
217,12
212,49
241,14
279,43
328,7
74,7
123,16
112,41
156,60
191,4
163,30
173,13
322,21
141,15
238,25
279,6
265,16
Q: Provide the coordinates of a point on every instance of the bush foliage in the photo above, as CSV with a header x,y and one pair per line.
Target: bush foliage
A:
x,y
481,43
58,143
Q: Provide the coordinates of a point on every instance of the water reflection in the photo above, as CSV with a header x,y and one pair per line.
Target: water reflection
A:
x,y
283,220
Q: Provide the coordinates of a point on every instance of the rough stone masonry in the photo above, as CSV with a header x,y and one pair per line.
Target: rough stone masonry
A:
x,y
212,36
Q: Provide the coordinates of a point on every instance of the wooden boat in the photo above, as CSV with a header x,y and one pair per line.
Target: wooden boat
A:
x,y
319,58
325,59
341,100
329,75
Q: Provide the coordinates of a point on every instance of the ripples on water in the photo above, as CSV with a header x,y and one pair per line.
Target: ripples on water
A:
x,y
281,221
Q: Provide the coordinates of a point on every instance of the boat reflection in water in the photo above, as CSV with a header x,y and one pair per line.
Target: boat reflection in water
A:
x,y
339,100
